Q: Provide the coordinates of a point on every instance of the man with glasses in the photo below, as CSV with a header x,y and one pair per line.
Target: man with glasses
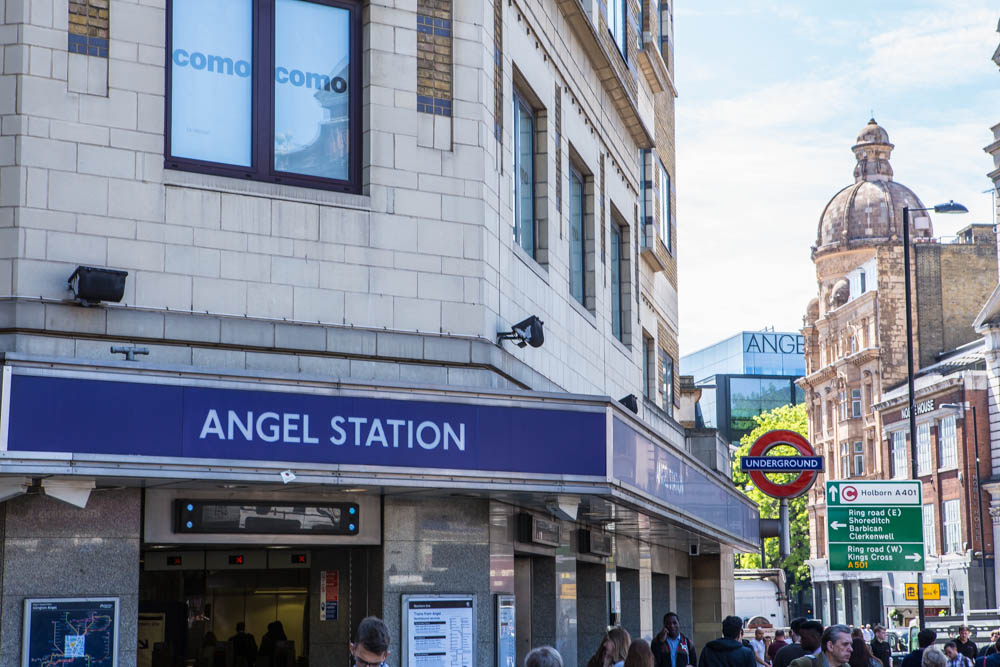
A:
x,y
371,645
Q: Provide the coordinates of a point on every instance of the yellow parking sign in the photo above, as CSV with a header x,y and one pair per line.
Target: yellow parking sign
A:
x,y
931,591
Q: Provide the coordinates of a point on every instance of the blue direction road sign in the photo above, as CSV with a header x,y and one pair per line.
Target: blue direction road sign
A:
x,y
781,463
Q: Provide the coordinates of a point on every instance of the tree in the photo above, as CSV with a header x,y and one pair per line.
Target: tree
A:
x,y
792,418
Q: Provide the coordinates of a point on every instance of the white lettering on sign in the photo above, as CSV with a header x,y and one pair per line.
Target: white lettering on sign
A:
x,y
295,428
922,408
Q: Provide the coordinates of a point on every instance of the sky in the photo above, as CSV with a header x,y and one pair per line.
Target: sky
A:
x,y
772,96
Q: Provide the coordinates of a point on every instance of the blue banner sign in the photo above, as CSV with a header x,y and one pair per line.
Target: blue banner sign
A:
x,y
781,463
83,416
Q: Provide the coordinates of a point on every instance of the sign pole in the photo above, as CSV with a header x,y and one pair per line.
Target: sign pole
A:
x,y
785,534
909,385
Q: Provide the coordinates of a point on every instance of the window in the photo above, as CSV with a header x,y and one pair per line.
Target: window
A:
x,y
947,443
524,174
282,107
859,459
843,406
855,403
829,415
647,363
617,273
952,527
930,537
645,185
845,461
899,468
668,382
577,238
923,448
664,201
864,284
615,15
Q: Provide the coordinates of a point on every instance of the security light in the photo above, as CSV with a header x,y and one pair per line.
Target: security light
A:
x,y
91,285
527,332
631,402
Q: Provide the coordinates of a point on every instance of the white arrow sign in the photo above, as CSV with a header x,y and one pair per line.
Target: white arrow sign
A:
x,y
833,494
914,557
836,525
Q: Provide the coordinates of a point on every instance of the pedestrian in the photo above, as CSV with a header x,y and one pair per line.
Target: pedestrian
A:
x,y
955,657
778,644
793,650
728,650
925,638
639,654
866,630
543,656
670,647
371,645
835,648
990,648
810,641
616,646
993,659
861,655
933,657
243,646
966,646
881,649
759,647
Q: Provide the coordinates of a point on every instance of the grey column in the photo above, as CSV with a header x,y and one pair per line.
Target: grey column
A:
x,y
53,549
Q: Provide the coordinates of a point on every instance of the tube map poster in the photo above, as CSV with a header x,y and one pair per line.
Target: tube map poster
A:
x,y
70,632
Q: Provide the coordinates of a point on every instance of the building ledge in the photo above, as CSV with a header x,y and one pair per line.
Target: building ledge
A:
x,y
652,66
623,99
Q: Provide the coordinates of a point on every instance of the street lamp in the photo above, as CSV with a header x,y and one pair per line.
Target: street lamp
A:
x,y
978,489
950,207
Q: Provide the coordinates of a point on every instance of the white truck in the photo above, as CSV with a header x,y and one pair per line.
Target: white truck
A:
x,y
761,599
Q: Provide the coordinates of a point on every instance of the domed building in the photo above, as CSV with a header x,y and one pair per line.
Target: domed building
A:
x,y
855,343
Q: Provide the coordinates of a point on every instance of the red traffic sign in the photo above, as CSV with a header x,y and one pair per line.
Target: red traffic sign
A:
x,y
769,441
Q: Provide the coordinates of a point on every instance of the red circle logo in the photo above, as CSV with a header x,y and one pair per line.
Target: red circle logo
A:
x,y
797,486
849,494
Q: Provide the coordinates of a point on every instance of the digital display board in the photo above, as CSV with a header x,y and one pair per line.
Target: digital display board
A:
x,y
249,517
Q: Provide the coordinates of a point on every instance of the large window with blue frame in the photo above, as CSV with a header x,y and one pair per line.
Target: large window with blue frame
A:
x,y
577,238
524,174
615,261
265,90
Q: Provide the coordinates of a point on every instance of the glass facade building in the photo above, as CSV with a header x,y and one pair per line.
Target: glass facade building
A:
x,y
743,376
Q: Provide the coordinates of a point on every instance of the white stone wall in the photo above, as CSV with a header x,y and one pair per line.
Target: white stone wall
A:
x,y
428,246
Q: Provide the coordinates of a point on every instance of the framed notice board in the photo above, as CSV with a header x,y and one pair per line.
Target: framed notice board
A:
x,y
439,631
73,632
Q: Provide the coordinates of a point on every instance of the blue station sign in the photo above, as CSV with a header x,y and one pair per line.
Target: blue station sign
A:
x,y
781,463
117,418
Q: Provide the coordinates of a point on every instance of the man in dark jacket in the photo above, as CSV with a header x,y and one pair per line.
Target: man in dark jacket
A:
x,y
728,651
925,638
809,633
966,646
881,649
793,650
670,647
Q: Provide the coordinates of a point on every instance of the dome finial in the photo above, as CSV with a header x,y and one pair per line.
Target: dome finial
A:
x,y
872,150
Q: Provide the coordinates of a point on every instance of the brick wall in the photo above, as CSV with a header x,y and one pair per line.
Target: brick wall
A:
x,y
89,22
434,57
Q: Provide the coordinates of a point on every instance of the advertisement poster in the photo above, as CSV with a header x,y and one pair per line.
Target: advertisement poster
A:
x,y
329,594
506,647
71,632
439,630
151,628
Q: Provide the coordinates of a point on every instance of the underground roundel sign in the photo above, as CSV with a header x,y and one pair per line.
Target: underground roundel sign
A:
x,y
757,464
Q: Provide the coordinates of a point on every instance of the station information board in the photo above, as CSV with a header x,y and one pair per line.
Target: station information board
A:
x,y
439,630
875,526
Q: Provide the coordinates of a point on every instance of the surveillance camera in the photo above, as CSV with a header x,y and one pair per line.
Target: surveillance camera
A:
x,y
530,331
287,476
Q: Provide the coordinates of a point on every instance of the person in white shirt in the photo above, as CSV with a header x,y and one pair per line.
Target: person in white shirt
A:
x,y
759,647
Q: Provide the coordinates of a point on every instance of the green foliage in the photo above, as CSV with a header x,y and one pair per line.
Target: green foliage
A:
x,y
792,418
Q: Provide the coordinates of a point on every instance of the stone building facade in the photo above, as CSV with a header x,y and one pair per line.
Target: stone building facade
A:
x,y
338,206
855,338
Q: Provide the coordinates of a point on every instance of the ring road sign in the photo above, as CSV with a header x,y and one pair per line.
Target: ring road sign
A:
x,y
757,463
875,526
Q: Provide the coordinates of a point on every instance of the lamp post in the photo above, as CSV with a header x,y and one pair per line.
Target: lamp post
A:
x,y
950,207
977,489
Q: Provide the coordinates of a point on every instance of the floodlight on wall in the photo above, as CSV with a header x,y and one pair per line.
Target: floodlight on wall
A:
x,y
91,285
631,402
526,332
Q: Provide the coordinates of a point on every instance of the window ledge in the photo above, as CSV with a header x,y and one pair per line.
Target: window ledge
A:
x,y
622,347
530,262
190,179
584,312
948,468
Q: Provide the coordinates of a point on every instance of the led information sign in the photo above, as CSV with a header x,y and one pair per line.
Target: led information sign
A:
x,y
876,526
212,516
